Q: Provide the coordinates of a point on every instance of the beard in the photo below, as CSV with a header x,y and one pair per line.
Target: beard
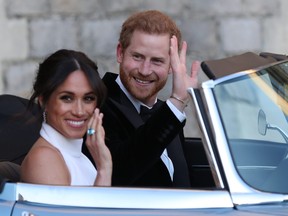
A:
x,y
146,95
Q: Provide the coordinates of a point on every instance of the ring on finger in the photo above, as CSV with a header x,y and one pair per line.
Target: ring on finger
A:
x,y
90,131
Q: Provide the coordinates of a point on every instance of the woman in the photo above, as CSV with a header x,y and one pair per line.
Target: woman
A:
x,y
69,92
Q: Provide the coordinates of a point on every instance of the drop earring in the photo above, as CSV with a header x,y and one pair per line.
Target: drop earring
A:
x,y
44,116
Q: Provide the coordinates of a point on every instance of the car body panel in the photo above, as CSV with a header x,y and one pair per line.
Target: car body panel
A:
x,y
107,197
52,211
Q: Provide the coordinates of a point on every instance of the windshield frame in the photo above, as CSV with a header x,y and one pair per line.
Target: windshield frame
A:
x,y
235,182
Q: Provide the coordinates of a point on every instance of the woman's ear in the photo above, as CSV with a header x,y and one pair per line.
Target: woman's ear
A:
x,y
40,101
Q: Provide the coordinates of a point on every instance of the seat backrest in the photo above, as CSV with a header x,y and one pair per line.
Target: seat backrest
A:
x,y
19,128
9,171
199,169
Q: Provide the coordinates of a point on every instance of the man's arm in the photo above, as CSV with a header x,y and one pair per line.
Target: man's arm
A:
x,y
181,80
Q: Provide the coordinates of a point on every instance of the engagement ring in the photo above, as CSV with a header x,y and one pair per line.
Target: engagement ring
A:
x,y
90,131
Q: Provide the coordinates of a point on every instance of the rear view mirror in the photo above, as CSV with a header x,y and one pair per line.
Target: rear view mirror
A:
x,y
262,123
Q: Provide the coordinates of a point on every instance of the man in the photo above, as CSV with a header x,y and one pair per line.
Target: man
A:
x,y
148,152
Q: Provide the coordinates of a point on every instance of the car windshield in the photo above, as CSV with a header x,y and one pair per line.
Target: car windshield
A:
x,y
253,109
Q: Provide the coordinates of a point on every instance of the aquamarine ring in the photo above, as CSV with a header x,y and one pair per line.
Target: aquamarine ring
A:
x,y
90,131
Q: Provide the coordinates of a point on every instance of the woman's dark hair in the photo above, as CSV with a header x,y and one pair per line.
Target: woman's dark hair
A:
x,y
55,69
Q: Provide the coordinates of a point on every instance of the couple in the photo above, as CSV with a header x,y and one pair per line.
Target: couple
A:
x,y
70,93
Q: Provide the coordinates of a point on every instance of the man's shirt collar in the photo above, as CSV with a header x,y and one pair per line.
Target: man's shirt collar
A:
x,y
136,103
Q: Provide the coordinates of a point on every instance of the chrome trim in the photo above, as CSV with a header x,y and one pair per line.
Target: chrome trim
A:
x,y
241,193
208,147
257,167
257,197
210,84
235,182
229,77
222,145
114,197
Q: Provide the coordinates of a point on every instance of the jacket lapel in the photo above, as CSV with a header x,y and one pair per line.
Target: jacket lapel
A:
x,y
120,100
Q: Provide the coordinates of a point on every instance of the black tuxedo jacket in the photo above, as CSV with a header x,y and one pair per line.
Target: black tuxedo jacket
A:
x,y
136,147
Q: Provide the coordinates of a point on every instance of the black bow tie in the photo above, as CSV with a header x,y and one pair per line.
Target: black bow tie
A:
x,y
146,113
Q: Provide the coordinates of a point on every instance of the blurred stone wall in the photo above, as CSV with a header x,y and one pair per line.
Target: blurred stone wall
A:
x,y
32,29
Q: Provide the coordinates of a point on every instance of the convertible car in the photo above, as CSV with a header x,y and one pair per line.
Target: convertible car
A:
x,y
238,165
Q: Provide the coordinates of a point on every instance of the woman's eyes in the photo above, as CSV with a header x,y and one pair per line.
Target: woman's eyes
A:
x,y
66,98
87,99
90,98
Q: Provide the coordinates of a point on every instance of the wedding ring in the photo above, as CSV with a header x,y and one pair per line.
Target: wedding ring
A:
x,y
90,131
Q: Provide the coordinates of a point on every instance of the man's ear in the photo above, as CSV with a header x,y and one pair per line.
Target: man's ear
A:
x,y
119,53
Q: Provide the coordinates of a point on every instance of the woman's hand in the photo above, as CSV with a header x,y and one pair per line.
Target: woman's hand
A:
x,y
98,150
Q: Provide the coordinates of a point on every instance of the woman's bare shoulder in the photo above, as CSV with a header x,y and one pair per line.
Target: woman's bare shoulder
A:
x,y
44,164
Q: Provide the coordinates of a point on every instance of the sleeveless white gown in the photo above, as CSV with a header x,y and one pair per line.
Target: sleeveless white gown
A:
x,y
82,171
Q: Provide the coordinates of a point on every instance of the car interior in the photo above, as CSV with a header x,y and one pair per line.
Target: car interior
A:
x,y
14,117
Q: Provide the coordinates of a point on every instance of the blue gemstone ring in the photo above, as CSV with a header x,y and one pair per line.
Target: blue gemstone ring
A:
x,y
90,131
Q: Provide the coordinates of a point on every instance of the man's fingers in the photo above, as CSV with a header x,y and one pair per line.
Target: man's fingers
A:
x,y
195,68
183,53
174,51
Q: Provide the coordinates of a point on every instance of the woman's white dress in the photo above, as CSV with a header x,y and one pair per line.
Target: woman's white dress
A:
x,y
81,169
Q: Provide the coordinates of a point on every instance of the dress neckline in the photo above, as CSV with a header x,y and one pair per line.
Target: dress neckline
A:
x,y
72,147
